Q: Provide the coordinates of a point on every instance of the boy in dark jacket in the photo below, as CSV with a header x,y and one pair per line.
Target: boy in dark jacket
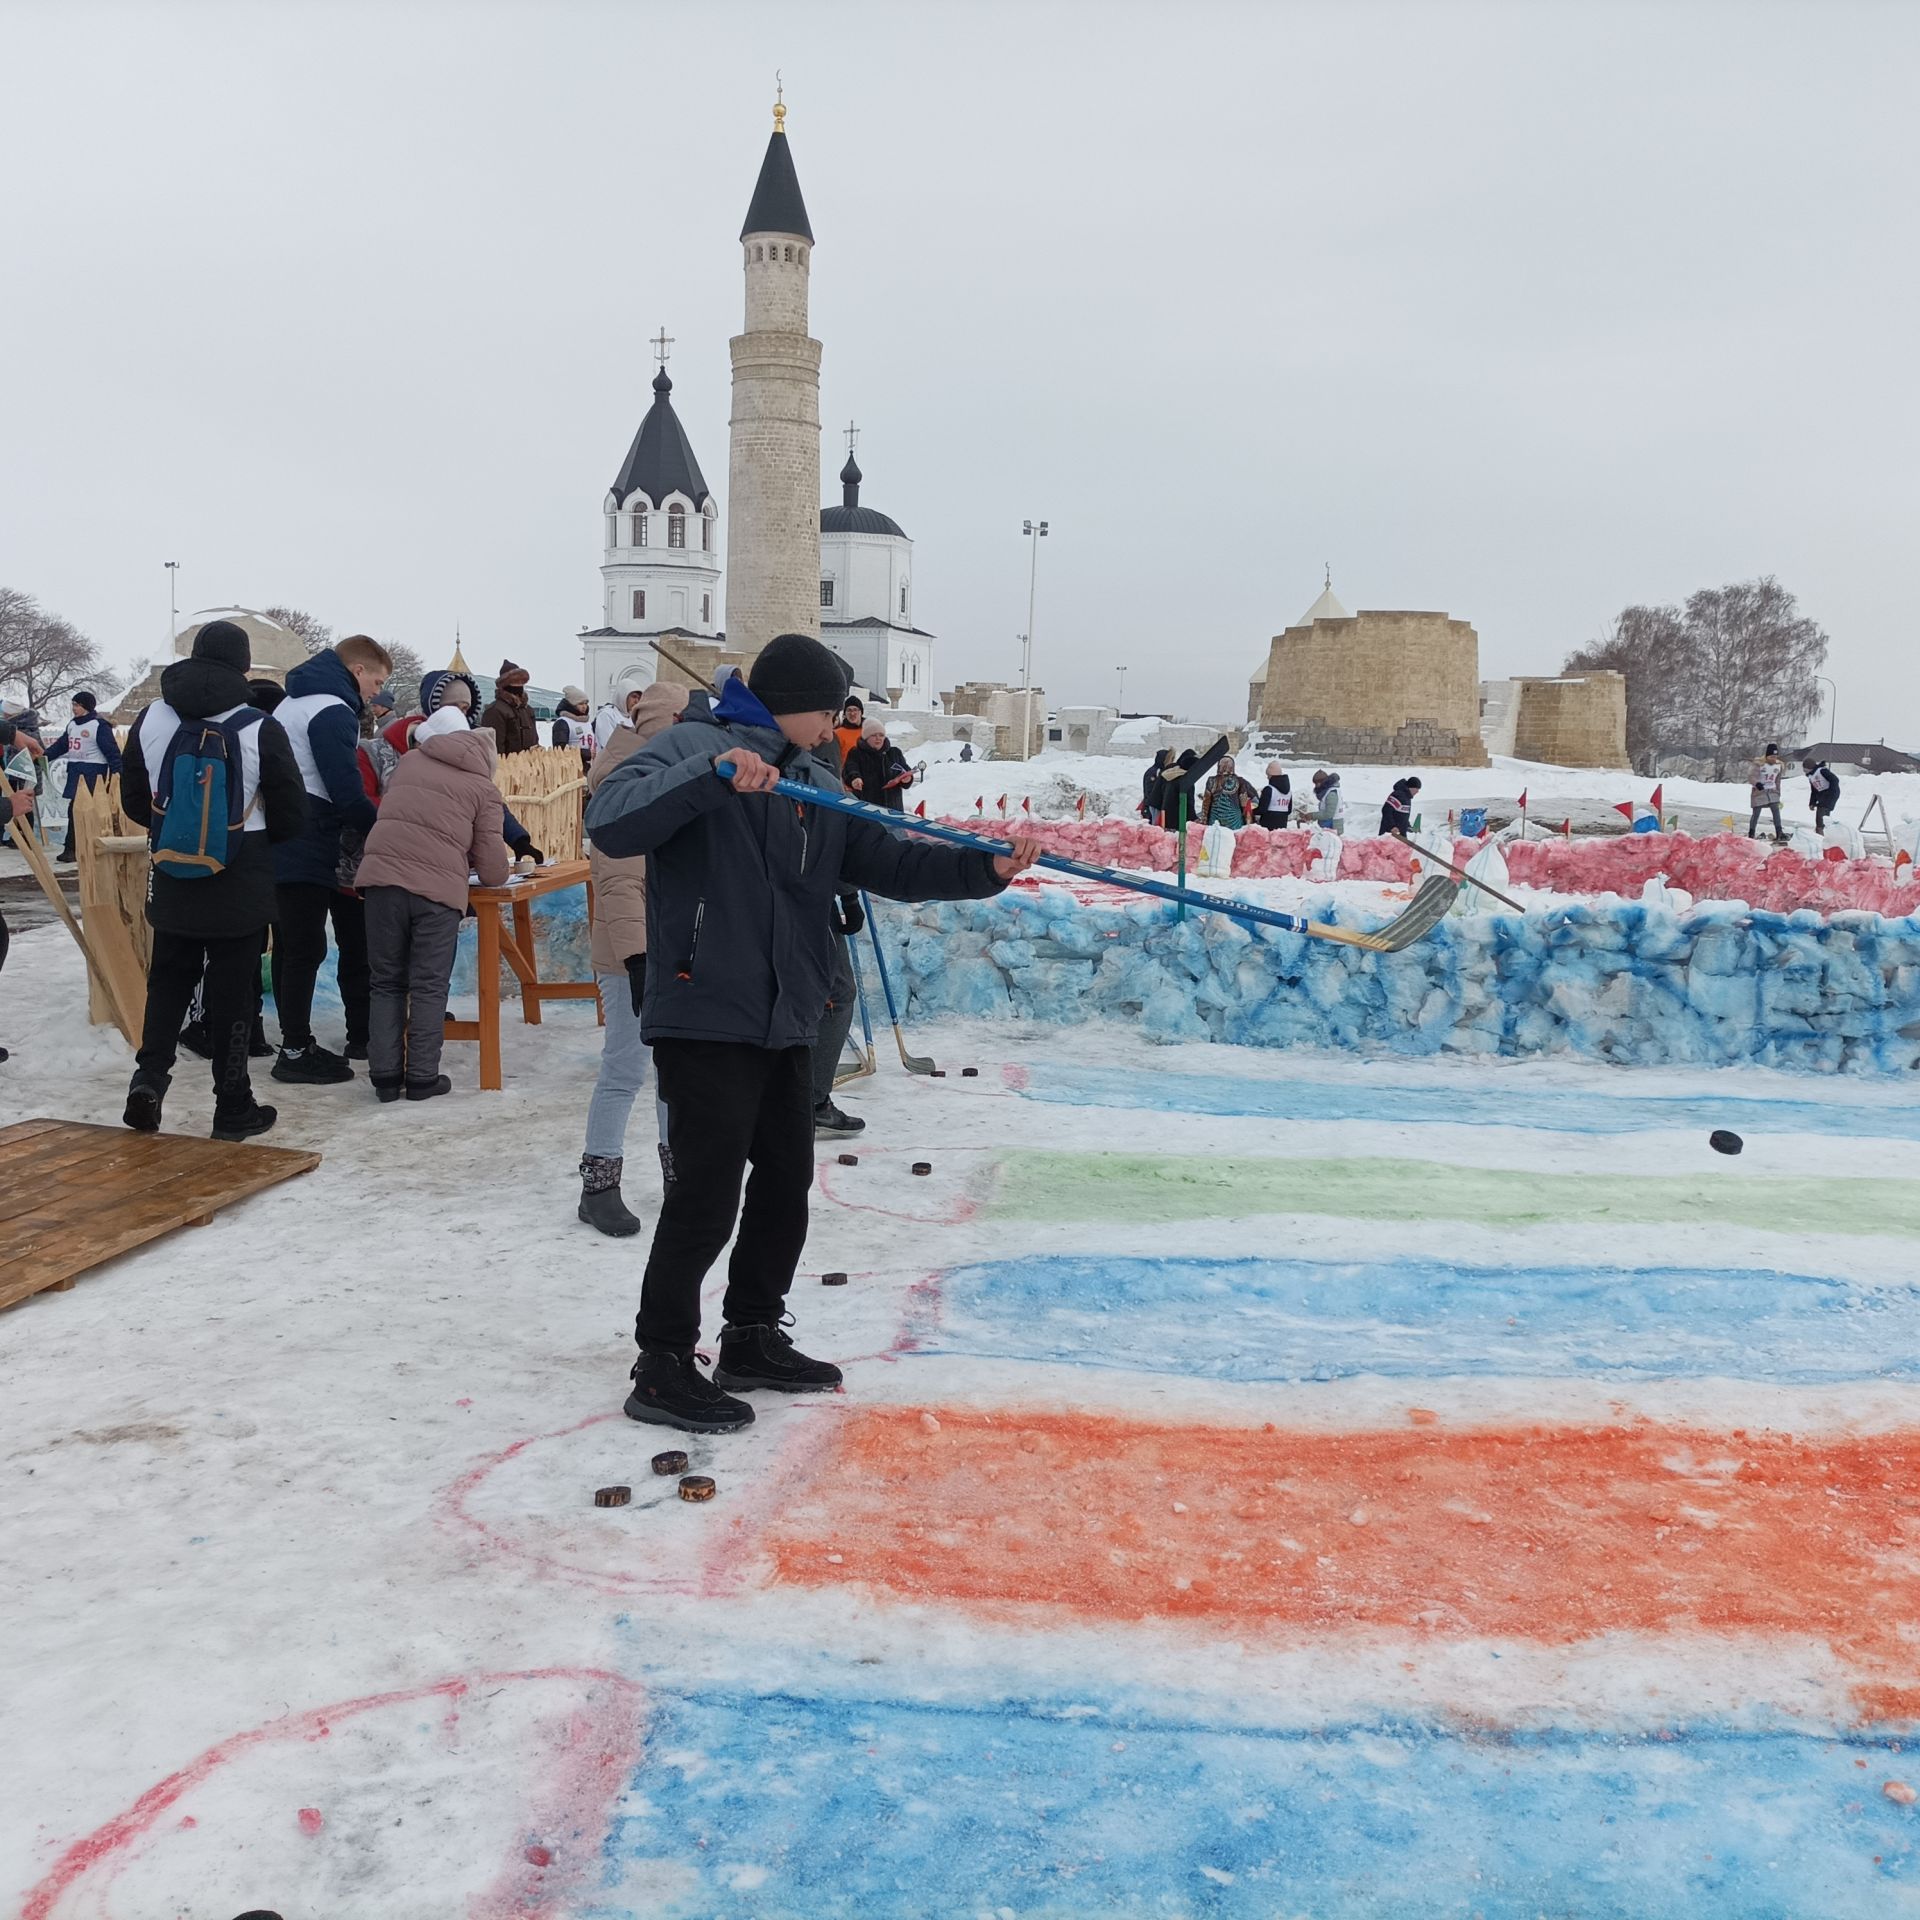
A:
x,y
321,716
1823,791
1396,815
740,892
213,925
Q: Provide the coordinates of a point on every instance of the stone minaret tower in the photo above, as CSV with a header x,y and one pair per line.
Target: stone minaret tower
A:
x,y
773,502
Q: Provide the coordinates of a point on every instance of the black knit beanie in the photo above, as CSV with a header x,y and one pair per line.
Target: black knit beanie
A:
x,y
85,699
795,674
222,641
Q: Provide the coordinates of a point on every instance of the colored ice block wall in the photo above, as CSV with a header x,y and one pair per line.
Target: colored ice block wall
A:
x,y
1719,985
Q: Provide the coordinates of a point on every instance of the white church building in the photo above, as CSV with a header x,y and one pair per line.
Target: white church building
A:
x,y
661,571
866,599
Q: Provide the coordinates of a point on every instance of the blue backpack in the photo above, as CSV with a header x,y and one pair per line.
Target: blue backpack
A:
x,y
197,802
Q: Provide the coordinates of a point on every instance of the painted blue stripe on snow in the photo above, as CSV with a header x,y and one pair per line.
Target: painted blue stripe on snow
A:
x,y
1540,1109
787,1808
1408,1319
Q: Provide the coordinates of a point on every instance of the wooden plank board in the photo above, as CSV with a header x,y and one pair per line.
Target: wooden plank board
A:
x,y
77,1196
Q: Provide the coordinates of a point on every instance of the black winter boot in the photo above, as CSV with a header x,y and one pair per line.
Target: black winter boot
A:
x,y
387,1090
600,1203
429,1089
244,1122
835,1123
765,1357
311,1066
143,1107
670,1391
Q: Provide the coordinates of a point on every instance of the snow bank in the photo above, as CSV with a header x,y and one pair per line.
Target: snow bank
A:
x,y
1628,983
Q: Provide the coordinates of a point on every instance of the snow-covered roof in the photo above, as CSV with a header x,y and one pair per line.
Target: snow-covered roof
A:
x,y
1325,608
1137,731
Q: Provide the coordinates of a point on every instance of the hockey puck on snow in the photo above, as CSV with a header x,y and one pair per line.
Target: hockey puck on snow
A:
x,y
833,1279
939,1073
849,1159
669,1463
923,1166
1721,1141
696,1486
612,1496
969,1073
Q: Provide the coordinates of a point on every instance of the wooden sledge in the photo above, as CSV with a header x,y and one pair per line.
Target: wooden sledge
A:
x,y
74,1196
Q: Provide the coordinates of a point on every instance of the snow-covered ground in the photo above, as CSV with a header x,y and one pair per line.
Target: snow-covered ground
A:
x,y
1265,1485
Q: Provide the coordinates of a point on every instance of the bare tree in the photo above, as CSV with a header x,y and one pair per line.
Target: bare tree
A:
x,y
1754,655
315,635
47,657
1718,681
1649,646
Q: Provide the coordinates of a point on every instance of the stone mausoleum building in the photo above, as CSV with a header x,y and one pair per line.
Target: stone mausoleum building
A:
x,y
1566,720
1373,688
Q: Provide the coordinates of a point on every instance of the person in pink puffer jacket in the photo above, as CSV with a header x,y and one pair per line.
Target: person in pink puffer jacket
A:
x,y
439,822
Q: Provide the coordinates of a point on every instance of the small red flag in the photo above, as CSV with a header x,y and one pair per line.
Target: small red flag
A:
x,y
1523,799
1081,806
1003,806
1654,803
1026,803
979,804
920,812
1566,827
1624,806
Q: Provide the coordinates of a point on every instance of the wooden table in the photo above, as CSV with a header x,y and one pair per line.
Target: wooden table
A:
x,y
515,947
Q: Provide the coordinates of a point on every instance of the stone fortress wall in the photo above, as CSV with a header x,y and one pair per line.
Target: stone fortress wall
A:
x,y
1375,688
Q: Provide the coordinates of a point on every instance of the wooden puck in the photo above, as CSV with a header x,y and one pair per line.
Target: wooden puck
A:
x,y
696,1486
833,1279
669,1463
969,1073
923,1166
612,1496
849,1159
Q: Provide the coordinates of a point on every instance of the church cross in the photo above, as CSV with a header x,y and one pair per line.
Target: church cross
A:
x,y
663,347
853,433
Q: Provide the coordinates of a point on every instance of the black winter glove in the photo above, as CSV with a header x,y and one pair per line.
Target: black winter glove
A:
x,y
847,916
637,979
524,849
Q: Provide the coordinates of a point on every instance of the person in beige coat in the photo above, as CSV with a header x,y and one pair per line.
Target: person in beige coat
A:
x,y
439,822
620,966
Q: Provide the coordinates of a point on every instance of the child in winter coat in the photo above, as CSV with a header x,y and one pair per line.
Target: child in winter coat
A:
x,y
1275,805
1396,814
1823,791
1326,796
90,750
440,821
1763,792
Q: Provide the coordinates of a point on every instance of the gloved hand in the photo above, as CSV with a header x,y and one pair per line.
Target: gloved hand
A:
x,y
637,979
847,916
524,849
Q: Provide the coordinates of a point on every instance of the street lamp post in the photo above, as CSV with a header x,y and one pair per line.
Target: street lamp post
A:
x,y
1120,701
1035,531
1833,716
173,604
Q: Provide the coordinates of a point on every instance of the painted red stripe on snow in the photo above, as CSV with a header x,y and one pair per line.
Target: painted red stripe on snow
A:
x,y
601,1751
1545,1534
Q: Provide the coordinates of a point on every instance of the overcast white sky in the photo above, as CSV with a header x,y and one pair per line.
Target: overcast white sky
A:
x,y
1522,311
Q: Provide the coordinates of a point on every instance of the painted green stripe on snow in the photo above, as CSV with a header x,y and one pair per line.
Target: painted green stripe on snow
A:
x,y
1123,1188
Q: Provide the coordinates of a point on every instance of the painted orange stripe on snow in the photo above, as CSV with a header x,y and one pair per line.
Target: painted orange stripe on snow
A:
x,y
1544,1533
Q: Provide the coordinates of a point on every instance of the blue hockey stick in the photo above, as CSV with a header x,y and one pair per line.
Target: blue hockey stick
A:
x,y
1425,912
913,1062
866,1024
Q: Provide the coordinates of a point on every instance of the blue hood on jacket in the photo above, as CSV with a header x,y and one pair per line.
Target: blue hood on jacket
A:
x,y
740,706
433,692
326,672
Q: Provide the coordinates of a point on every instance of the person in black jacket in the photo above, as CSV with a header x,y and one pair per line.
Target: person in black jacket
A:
x,y
1823,790
213,924
1151,783
876,770
1275,806
1396,813
741,885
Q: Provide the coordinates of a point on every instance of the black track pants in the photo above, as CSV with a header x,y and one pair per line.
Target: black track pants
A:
x,y
300,916
230,967
729,1107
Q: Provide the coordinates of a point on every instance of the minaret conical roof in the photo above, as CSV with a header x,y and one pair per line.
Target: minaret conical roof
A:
x,y
1325,608
776,206
661,461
